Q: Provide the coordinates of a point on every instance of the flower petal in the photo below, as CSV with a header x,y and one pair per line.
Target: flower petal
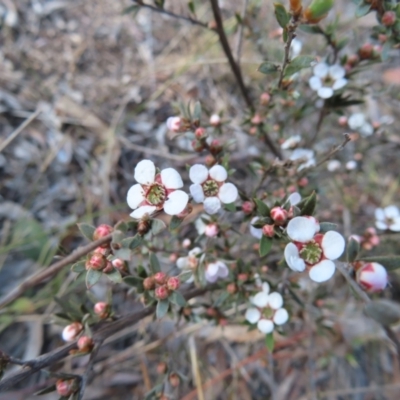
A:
x,y
256,232
281,316
228,193
145,172
182,262
141,211
337,72
275,300
321,70
315,83
339,84
223,270
176,202
171,179
252,315
197,192
395,227
265,326
294,198
219,173
198,173
301,229
135,196
356,120
260,299
391,212
265,287
381,225
212,205
333,245
322,271
325,92
380,214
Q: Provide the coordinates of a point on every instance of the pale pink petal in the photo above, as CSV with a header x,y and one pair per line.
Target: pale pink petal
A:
x,y
293,259
322,271
219,173
281,316
171,178
265,287
228,193
265,326
141,211
135,196
223,270
198,173
212,205
333,245
301,229
197,193
145,172
176,202
252,315
256,232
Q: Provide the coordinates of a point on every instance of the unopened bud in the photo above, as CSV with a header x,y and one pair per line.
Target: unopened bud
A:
x,y
173,257
366,51
144,226
268,230
160,278
279,215
215,120
372,277
102,309
161,368
186,243
197,145
71,331
389,18
212,25
253,131
256,120
303,182
174,124
295,7
200,133
97,261
211,230
243,277
209,161
108,268
342,120
211,312
215,147
103,250
317,10
247,207
173,283
265,98
174,379
161,293
102,231
85,344
149,283
66,387
231,288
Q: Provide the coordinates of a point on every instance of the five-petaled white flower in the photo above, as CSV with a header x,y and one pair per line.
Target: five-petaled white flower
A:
x,y
190,262
216,270
305,155
268,310
357,122
209,187
327,79
156,191
311,250
388,218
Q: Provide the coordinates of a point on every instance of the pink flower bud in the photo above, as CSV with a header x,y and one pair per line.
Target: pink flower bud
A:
x,y
389,18
231,288
247,207
173,257
366,51
119,264
173,283
160,278
66,387
85,344
215,120
342,120
161,293
97,261
279,215
108,268
372,277
197,145
211,230
149,283
200,133
70,332
215,147
256,120
186,243
101,309
243,277
174,379
268,230
265,98
174,124
209,160
102,231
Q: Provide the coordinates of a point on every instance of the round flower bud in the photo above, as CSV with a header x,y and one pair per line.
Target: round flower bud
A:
x,y
215,120
268,230
372,277
342,120
102,309
144,226
389,18
197,145
85,344
186,243
108,268
366,51
256,120
231,288
265,98
247,207
70,332
97,261
161,368
209,161
149,283
174,124
211,230
66,387
174,379
243,277
173,283
161,293
160,278
200,133
102,231
279,215
215,147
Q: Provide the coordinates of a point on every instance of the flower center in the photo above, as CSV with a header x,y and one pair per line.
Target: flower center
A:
x,y
328,81
268,313
311,253
210,188
156,194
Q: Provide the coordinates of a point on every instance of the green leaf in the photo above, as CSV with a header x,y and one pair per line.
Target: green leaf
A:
x,y
136,242
262,208
353,248
307,206
123,254
157,226
230,207
133,281
191,7
86,230
391,262
362,9
197,111
92,277
313,29
154,263
114,276
162,308
175,223
319,8
184,276
298,63
46,390
327,226
79,267
270,342
265,245
282,16
178,299
386,312
221,299
268,67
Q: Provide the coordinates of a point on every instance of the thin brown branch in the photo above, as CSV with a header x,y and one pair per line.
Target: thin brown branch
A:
x,y
171,14
42,275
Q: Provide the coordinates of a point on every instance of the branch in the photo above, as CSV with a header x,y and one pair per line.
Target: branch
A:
x,y
171,14
40,276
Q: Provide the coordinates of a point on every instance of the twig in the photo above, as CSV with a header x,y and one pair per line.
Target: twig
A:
x,y
239,41
40,276
322,114
195,368
171,14
19,129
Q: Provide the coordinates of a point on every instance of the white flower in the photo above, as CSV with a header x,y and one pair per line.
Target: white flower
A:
x,y
350,165
295,47
388,218
358,123
174,124
312,251
305,155
327,79
216,270
333,165
190,262
215,120
255,232
291,142
372,277
155,192
209,187
268,311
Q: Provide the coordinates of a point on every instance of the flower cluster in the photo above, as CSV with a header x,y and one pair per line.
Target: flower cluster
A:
x,y
312,251
368,240
266,310
161,284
